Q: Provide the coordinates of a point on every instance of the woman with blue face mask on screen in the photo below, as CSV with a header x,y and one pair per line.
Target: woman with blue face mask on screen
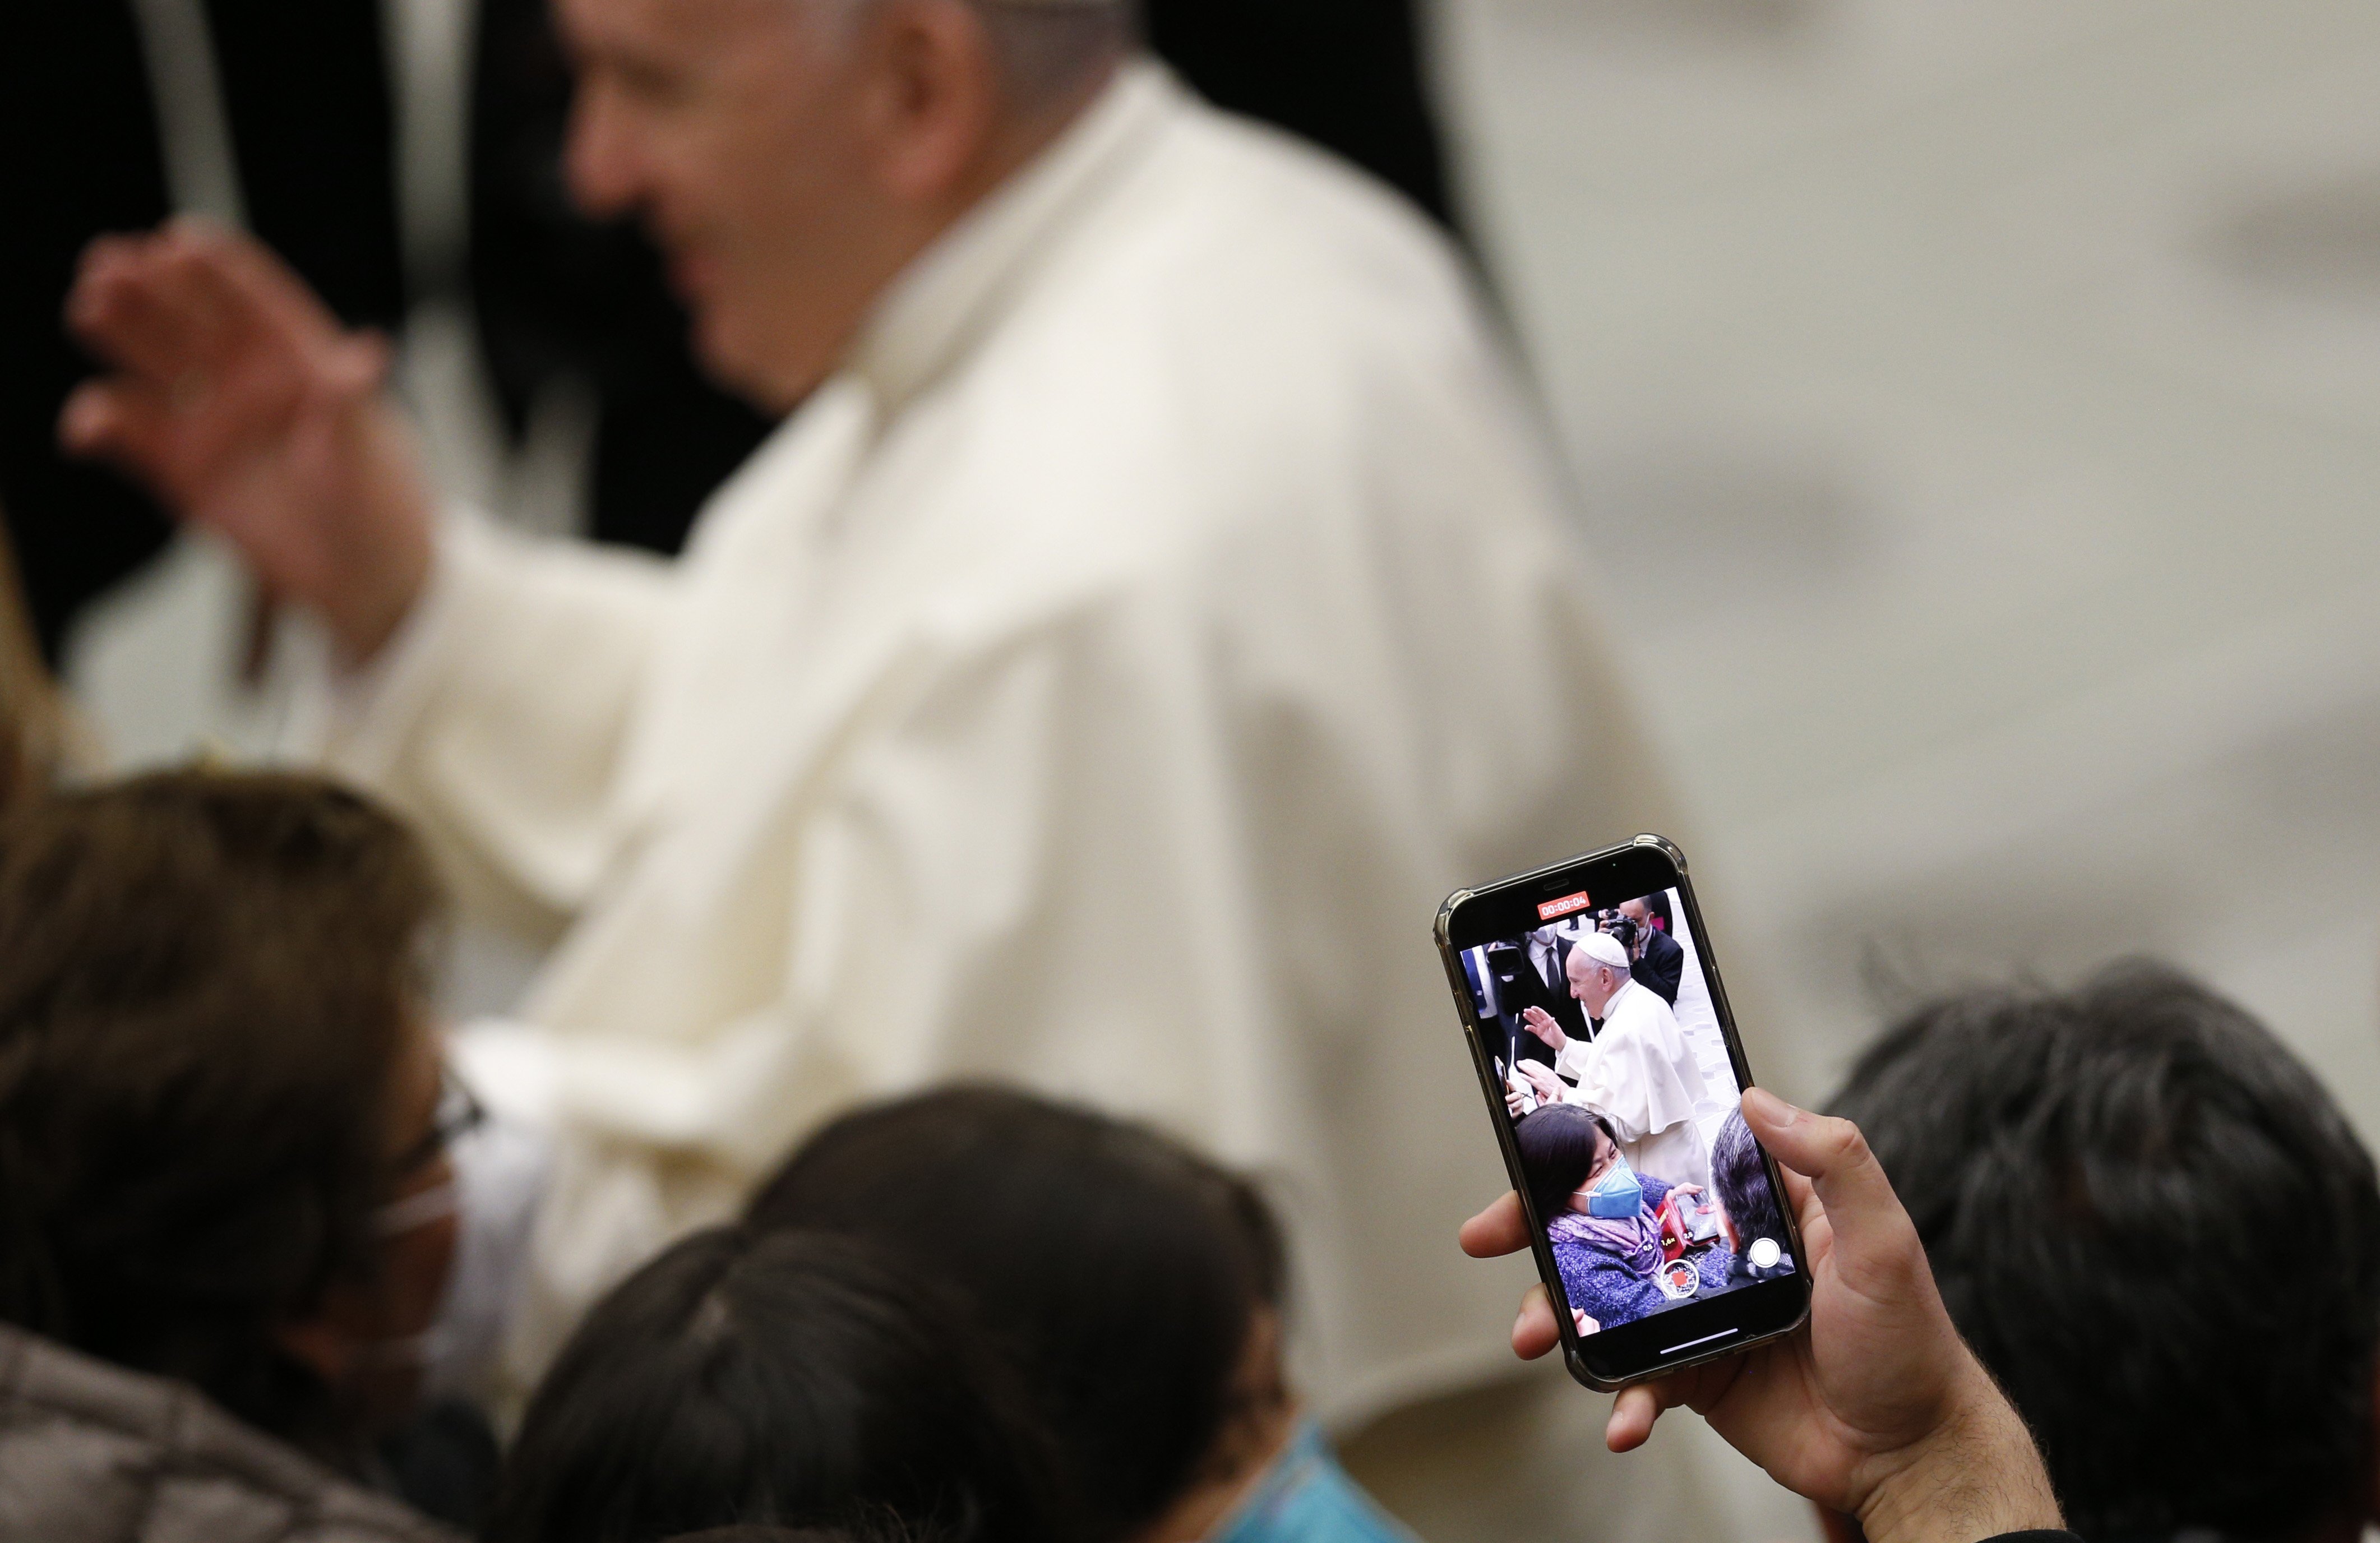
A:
x,y
1601,1216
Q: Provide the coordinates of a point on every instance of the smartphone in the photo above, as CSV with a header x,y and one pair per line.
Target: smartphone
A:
x,y
1648,1112
1518,1087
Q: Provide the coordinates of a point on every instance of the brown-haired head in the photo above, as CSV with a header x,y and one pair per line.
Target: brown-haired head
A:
x,y
210,995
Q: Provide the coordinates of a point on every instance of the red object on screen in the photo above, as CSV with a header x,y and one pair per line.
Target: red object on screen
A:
x,y
1563,907
1674,1229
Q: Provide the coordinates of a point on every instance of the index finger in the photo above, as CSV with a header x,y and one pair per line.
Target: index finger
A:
x,y
246,271
128,308
1500,1229
1641,1404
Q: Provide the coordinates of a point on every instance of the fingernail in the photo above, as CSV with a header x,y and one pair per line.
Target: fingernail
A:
x,y
1774,1110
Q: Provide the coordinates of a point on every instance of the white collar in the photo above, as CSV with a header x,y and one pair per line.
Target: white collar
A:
x,y
950,296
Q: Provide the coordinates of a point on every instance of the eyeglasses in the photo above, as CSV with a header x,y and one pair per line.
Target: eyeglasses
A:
x,y
459,1113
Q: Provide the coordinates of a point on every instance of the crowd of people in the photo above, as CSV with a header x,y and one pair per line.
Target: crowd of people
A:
x,y
1630,1244
975,1312
225,1128
1153,525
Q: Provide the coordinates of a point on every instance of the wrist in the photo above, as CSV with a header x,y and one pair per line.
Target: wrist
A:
x,y
374,615
1978,1476
391,546
389,585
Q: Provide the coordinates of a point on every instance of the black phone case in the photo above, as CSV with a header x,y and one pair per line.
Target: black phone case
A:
x,y
1492,1088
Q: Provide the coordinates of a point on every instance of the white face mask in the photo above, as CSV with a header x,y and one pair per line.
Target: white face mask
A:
x,y
419,1211
502,1169
411,1353
423,1209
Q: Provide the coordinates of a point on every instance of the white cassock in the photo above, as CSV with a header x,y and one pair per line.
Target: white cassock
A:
x,y
1096,684
1640,1074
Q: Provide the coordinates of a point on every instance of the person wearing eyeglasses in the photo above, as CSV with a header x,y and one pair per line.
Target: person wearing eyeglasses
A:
x,y
229,1215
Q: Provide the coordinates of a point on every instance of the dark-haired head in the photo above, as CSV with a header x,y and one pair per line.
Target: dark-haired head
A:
x,y
791,1378
213,1061
887,1532
1070,1234
1562,1146
2159,1233
1739,1176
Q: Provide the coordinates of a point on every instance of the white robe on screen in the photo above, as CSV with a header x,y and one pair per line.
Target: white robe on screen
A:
x,y
1641,1076
1096,684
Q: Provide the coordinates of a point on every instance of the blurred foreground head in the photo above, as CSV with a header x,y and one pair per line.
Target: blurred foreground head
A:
x,y
793,1381
888,1532
2159,1233
216,1076
1136,1285
790,157
40,739
884,1531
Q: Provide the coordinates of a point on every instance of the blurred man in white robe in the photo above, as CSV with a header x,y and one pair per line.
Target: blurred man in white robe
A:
x,y
1638,1072
1156,600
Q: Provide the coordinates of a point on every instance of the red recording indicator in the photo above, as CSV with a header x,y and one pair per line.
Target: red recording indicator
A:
x,y
1563,907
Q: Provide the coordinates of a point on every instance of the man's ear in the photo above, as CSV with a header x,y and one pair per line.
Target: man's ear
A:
x,y
933,103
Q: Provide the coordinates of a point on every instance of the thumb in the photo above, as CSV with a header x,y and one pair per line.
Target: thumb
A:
x,y
1863,1212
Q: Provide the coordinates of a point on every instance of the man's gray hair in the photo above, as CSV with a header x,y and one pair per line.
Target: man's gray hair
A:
x,y
1049,49
1045,49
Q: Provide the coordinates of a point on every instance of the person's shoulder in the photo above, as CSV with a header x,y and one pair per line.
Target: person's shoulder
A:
x,y
358,1518
168,1451
1291,195
1214,164
1578,1265
1342,1511
1228,236
1654,1011
1631,1012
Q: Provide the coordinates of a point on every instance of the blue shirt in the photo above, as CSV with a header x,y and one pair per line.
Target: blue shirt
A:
x,y
1306,1497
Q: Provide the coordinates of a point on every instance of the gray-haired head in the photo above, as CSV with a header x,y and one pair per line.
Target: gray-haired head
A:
x,y
1046,50
792,157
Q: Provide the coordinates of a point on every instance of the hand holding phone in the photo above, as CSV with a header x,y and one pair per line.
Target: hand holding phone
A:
x,y
1519,1097
1876,1408
1543,1085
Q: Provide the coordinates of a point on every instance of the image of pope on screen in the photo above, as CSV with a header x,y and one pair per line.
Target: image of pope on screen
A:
x,y
1622,1101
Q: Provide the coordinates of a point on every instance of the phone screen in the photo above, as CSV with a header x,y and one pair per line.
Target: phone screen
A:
x,y
1618,1076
